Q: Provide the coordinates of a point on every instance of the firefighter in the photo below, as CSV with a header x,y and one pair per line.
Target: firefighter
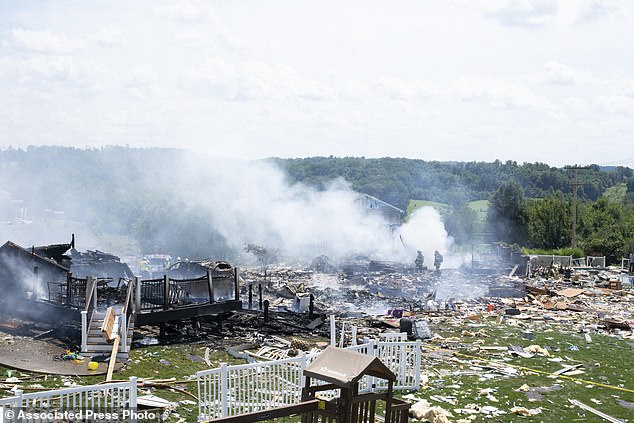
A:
x,y
437,260
420,259
144,268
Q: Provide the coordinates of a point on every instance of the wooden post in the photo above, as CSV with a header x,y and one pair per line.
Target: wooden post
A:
x,y
137,294
250,296
266,311
166,292
260,295
84,330
69,291
388,402
124,332
236,281
89,289
311,306
210,285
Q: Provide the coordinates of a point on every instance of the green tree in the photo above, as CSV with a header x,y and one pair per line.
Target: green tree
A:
x,y
604,229
506,216
548,222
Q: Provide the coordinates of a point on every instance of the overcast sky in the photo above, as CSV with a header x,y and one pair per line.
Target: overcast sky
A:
x,y
525,80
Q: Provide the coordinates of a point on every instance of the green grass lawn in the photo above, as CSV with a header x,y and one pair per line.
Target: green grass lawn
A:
x,y
479,206
454,369
464,379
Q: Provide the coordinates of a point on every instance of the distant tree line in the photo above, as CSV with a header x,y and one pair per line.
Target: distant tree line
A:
x,y
530,203
397,180
131,191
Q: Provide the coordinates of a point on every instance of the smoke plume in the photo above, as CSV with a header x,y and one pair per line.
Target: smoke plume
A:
x,y
252,202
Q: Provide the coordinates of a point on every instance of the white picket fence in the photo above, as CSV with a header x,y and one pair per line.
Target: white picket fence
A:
x,y
232,390
105,398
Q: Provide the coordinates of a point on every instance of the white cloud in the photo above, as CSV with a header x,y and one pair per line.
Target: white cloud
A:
x,y
628,87
559,74
398,89
37,69
347,78
499,94
112,37
616,104
194,38
543,13
183,10
255,80
44,42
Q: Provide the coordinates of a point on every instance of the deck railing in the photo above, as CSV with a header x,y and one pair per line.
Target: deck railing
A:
x,y
232,390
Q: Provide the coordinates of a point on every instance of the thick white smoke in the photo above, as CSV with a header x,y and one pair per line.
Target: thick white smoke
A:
x,y
252,202
425,231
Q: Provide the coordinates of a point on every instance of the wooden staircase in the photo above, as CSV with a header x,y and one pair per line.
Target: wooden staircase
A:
x,y
97,343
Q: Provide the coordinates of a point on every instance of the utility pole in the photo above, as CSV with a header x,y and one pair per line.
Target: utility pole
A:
x,y
575,184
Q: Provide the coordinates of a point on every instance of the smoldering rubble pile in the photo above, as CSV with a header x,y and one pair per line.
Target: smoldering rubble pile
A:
x,y
367,293
370,288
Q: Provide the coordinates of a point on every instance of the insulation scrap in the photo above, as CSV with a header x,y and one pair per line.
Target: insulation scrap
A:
x,y
424,411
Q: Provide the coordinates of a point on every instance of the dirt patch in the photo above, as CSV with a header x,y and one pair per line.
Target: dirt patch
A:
x,y
43,356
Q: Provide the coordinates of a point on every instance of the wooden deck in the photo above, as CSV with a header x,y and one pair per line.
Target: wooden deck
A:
x,y
152,317
154,301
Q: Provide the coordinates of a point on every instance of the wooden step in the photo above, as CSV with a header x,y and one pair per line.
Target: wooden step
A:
x,y
98,332
100,348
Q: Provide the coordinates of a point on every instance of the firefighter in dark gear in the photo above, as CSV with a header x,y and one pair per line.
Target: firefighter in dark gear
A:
x,y
420,259
437,260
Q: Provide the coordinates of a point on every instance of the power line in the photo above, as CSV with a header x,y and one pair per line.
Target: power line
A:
x,y
575,184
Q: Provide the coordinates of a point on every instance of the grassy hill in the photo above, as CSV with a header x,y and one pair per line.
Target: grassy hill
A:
x,y
414,204
481,207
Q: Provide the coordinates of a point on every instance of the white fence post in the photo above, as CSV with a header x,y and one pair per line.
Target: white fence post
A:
x,y
84,331
373,351
224,391
132,399
417,362
19,394
302,379
333,329
342,336
402,368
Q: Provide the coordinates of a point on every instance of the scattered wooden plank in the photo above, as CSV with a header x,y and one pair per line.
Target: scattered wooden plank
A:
x,y
513,270
108,324
595,411
567,369
570,292
113,358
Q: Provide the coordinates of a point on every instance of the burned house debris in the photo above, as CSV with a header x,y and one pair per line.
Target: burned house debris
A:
x,y
438,315
391,214
25,274
99,265
47,284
